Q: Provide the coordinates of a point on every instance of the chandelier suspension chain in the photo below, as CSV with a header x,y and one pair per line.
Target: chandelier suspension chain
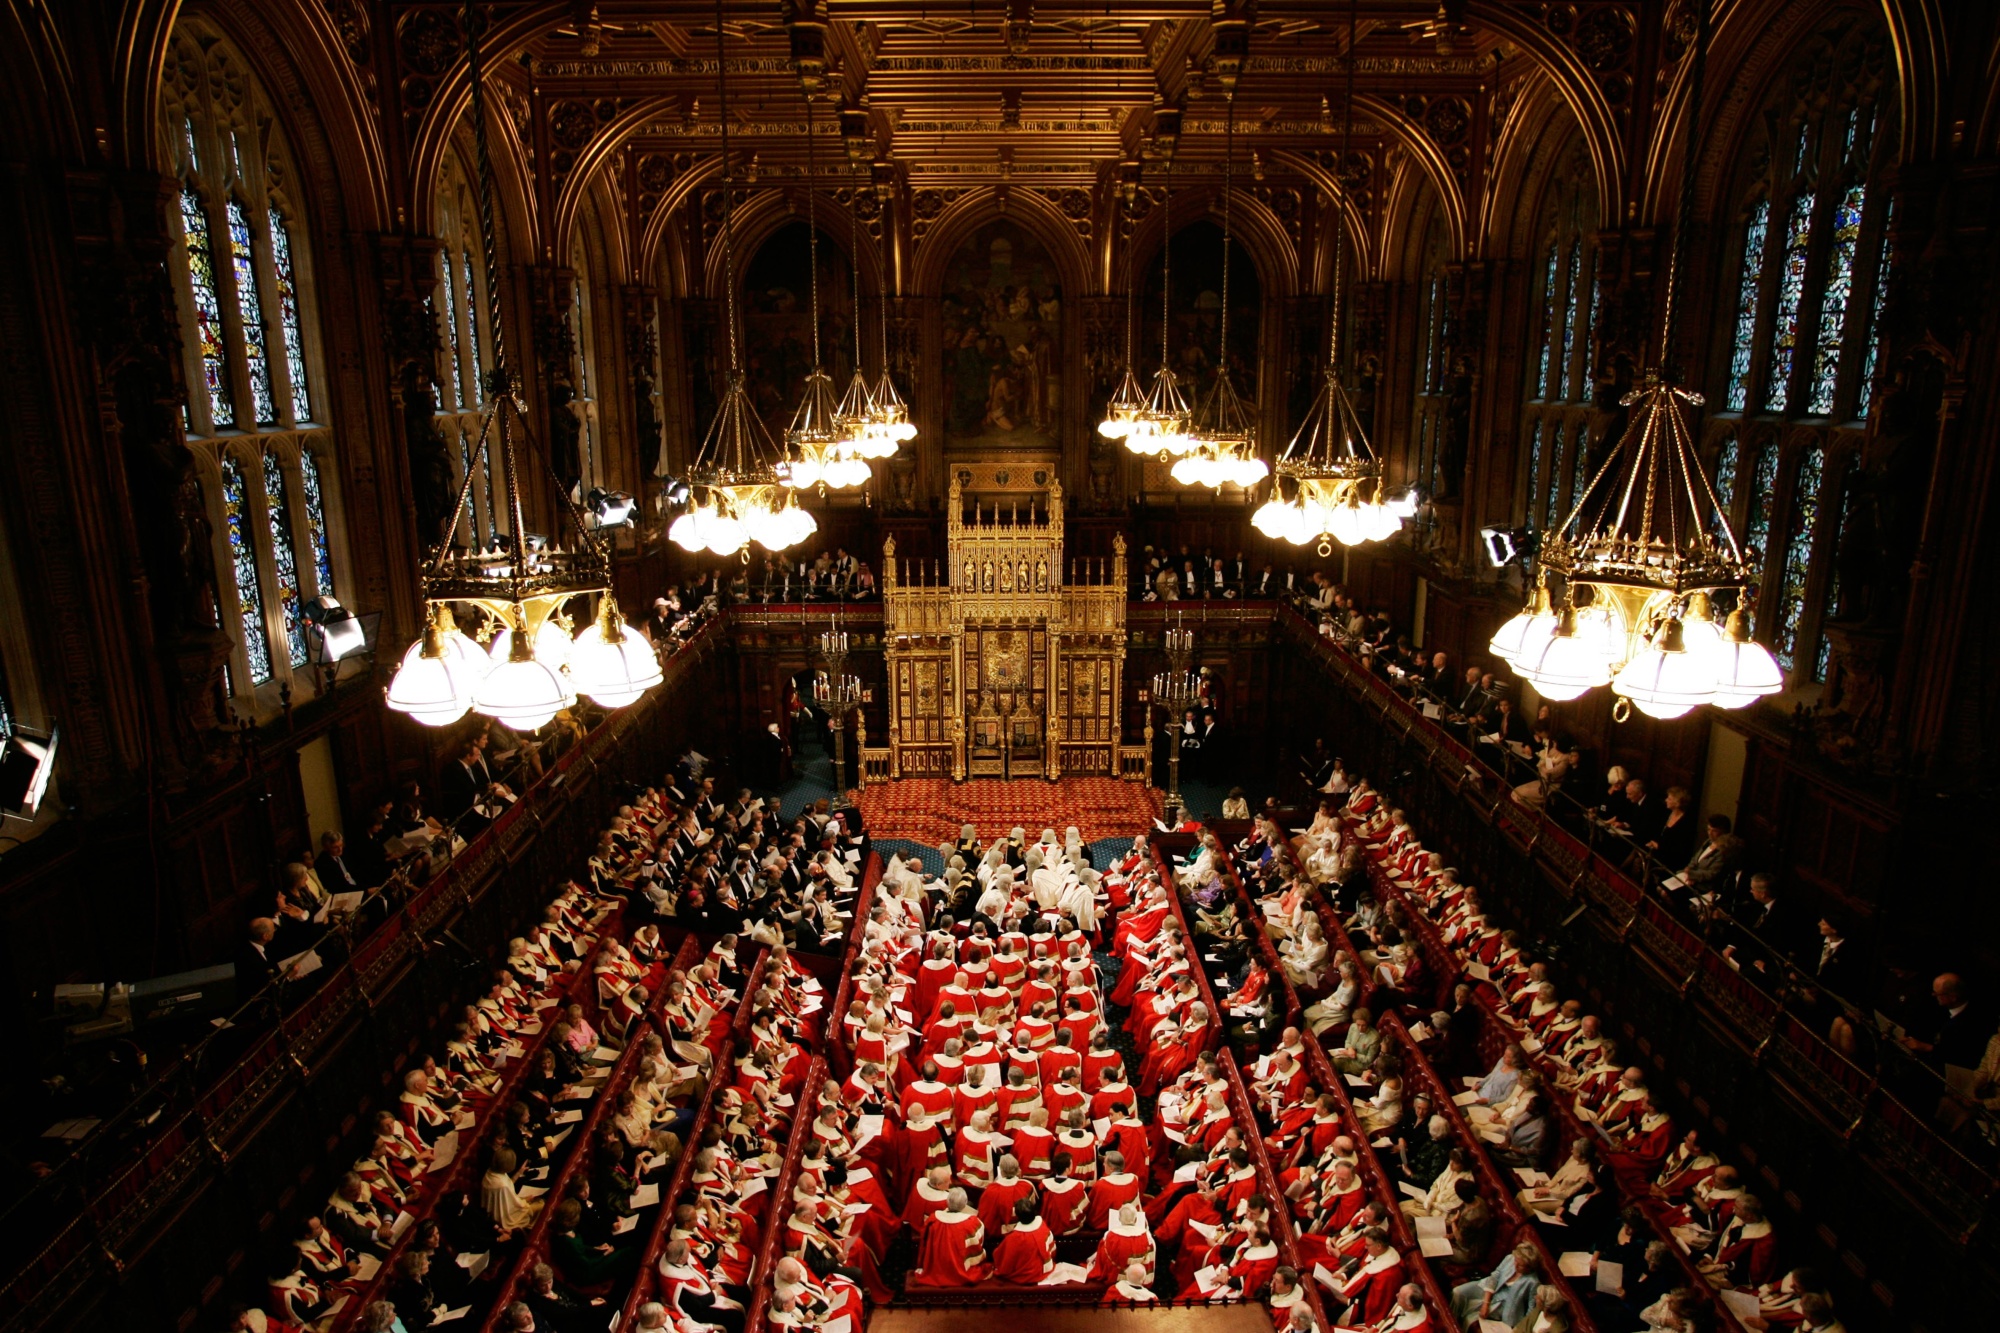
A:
x,y
1340,184
812,228
1166,259
500,382
854,262
1228,160
1684,222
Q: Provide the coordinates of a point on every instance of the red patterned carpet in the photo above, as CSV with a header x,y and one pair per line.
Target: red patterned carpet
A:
x,y
930,810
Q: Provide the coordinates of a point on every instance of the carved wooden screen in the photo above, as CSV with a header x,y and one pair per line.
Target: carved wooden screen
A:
x,y
923,714
1086,701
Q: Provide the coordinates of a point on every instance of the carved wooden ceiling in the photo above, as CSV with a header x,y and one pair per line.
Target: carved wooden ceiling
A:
x,y
1065,98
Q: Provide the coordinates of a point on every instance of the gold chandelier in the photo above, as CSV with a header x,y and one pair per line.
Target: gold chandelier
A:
x,y
1223,431
738,486
1646,552
1337,484
1160,424
521,582
821,437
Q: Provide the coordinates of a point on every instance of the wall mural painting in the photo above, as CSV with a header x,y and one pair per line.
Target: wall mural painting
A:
x,y
1002,343
777,321
1194,314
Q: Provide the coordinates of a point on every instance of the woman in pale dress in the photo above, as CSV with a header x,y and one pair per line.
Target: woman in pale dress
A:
x,y
1334,1010
1305,957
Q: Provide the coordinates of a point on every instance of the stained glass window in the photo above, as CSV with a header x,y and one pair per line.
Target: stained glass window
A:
x,y
1798,557
1830,600
1757,528
322,552
1552,302
1834,296
284,563
1791,295
1748,288
1725,482
477,367
1873,334
1552,498
1579,465
250,307
288,317
1566,372
451,339
1535,519
243,563
207,308
1589,332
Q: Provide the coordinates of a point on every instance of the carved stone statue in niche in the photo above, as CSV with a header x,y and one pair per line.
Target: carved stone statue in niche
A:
x,y
1457,426
430,463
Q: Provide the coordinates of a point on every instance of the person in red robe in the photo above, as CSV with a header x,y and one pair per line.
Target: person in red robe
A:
x,y
1112,1191
1369,1293
1035,1145
911,1151
836,1297
928,1198
953,1250
996,1202
974,1150
1065,1200
1128,1139
1127,1242
1286,1291
1026,1254
1099,1063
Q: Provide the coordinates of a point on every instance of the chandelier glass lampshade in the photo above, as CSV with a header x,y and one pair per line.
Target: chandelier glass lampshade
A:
x,y
552,645
1745,671
612,662
741,492
1565,665
523,692
434,684
893,426
460,647
1160,427
1530,624
1666,678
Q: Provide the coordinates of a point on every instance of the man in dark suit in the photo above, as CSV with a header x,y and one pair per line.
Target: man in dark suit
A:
x,y
1837,968
255,965
336,872
459,782
1960,1034
1770,936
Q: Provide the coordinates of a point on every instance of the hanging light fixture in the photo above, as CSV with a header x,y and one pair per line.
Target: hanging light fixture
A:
x,y
736,493
855,416
816,441
1646,549
1337,486
1160,427
1222,432
1128,400
892,426
521,582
